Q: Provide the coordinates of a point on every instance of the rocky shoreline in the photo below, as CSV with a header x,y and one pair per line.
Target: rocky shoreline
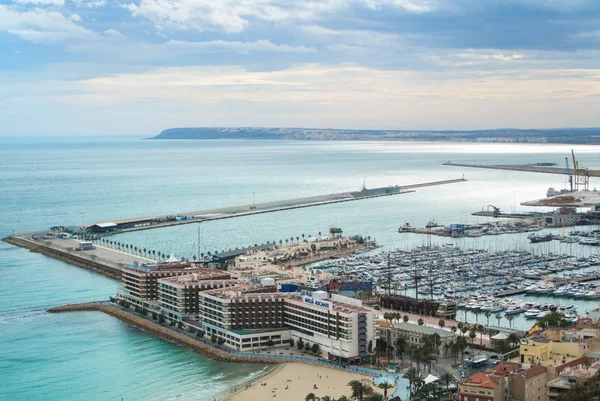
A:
x,y
172,335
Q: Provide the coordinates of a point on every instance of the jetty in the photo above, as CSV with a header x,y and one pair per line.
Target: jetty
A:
x,y
200,216
532,168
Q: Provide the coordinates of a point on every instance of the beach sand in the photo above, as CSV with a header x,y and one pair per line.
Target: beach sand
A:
x,y
302,378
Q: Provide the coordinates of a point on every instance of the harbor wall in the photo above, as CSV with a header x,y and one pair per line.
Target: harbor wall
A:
x,y
66,256
169,334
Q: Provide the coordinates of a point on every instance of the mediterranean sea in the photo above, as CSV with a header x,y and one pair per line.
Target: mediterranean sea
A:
x,y
75,180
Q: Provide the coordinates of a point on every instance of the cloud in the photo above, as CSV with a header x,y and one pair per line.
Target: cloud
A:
x,y
234,15
113,33
216,46
89,3
41,2
40,26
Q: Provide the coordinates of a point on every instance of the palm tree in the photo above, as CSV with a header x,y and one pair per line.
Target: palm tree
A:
x,y
413,377
405,318
510,319
358,389
400,344
498,317
311,397
385,386
442,323
460,326
453,328
487,316
472,335
421,322
513,338
447,378
375,397
480,330
476,313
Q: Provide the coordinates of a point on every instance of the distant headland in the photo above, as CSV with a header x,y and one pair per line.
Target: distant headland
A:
x,y
587,136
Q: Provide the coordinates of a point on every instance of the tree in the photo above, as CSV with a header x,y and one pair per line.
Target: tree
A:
x,y
311,397
385,386
300,344
513,338
179,325
414,379
510,319
447,378
480,330
498,317
554,319
401,346
472,335
375,397
270,344
487,316
476,313
292,342
307,346
316,349
421,322
161,319
442,323
460,326
453,328
358,389
221,341
405,318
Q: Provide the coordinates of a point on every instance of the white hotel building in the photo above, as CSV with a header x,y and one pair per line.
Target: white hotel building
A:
x,y
344,329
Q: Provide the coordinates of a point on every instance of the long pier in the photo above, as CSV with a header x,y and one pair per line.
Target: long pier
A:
x,y
524,167
150,222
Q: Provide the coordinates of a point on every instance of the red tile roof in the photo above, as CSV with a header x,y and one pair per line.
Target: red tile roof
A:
x,y
532,371
480,380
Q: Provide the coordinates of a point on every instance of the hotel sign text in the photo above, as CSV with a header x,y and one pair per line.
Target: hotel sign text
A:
x,y
318,302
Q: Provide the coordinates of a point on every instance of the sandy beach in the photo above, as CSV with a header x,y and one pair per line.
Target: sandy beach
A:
x,y
293,381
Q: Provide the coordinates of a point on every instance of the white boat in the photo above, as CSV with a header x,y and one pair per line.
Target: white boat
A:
x,y
514,311
592,295
543,314
532,313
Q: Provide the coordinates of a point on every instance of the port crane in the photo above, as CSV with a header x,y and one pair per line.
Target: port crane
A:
x,y
570,176
581,175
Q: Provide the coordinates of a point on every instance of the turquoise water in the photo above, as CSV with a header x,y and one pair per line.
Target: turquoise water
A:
x,y
61,181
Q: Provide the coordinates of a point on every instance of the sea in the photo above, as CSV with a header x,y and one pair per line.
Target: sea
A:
x,y
48,181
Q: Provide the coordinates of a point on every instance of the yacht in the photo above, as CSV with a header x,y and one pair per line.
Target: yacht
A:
x,y
532,313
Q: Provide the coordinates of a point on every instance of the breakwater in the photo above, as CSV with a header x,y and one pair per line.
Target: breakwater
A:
x,y
66,256
169,334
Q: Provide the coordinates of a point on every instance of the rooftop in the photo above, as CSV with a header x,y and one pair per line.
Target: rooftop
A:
x,y
246,291
194,280
336,305
483,380
506,368
532,372
422,329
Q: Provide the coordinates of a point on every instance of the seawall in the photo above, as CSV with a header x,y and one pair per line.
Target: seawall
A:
x,y
65,256
172,335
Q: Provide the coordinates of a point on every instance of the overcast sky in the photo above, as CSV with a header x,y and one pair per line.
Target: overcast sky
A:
x,y
140,66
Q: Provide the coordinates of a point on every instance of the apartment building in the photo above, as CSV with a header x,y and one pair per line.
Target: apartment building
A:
x,y
529,384
482,387
178,296
140,282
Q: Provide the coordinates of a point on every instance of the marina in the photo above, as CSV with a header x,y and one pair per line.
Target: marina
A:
x,y
480,281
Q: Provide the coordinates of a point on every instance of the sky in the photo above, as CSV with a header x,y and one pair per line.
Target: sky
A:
x,y
140,66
